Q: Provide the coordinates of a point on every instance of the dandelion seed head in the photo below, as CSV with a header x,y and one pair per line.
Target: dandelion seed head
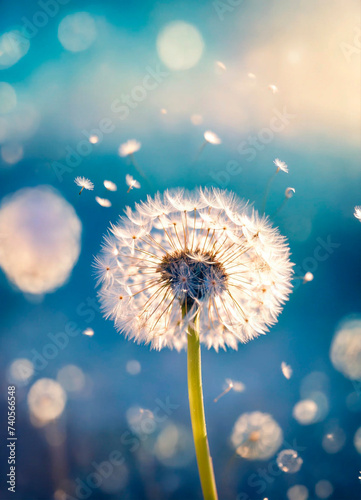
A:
x,y
94,139
205,252
129,147
286,370
256,436
281,165
84,183
357,212
131,182
103,202
88,332
110,186
212,138
308,277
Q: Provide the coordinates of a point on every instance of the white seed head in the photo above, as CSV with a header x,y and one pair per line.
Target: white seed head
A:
x,y
103,202
131,182
211,137
84,183
357,213
110,186
286,370
308,277
256,436
129,147
207,253
281,165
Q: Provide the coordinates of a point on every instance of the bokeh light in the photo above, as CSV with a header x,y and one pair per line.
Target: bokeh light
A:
x,y
46,400
20,371
256,436
40,236
7,98
346,349
77,32
13,46
180,45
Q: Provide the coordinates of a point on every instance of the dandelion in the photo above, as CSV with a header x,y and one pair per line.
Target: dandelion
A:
x,y
230,385
256,436
191,269
281,165
88,332
103,202
129,148
94,139
110,186
357,212
132,183
286,370
212,138
209,138
288,194
221,66
84,184
308,277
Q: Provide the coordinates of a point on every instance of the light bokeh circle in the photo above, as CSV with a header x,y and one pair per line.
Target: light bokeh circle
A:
x,y
180,46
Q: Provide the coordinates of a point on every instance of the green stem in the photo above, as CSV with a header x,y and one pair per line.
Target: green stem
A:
x,y
195,394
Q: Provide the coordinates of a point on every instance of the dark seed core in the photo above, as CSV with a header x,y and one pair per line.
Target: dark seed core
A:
x,y
191,275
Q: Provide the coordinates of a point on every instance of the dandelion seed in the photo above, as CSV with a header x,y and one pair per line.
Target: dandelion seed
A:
x,y
308,277
357,212
289,192
230,385
206,252
281,165
103,202
132,183
273,88
212,138
130,147
251,75
84,184
110,186
89,332
256,436
221,65
286,370
93,139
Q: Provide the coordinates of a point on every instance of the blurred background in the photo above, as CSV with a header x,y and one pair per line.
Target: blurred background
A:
x,y
97,416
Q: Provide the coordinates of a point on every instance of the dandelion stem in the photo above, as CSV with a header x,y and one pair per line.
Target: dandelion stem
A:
x,y
195,394
81,190
267,191
204,144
